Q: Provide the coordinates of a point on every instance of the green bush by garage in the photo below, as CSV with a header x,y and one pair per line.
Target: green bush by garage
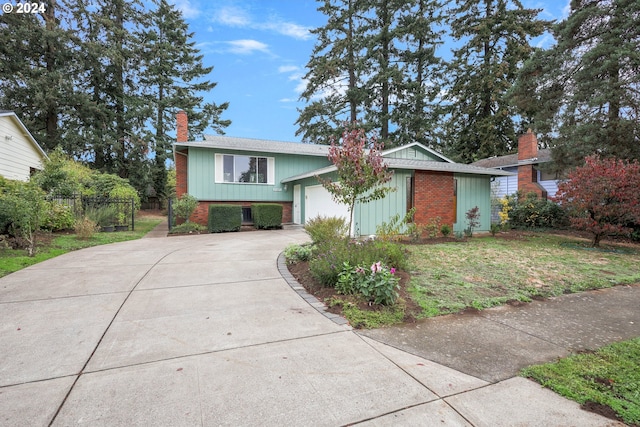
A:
x,y
224,218
266,215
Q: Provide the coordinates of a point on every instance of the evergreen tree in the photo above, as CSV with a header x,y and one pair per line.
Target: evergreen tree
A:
x,y
335,89
495,36
416,110
582,94
173,78
35,60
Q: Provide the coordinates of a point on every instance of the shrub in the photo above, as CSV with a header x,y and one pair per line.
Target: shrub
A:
x,y
473,220
224,218
297,253
396,227
432,227
495,228
104,215
330,257
266,215
326,229
530,211
445,230
22,210
85,228
185,206
602,196
376,283
58,217
188,228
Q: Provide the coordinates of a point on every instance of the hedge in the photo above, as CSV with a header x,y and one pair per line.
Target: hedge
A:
x,y
224,218
266,215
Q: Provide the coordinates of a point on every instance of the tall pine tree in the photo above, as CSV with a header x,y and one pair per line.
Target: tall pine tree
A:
x,y
416,110
583,93
35,65
173,78
495,36
335,90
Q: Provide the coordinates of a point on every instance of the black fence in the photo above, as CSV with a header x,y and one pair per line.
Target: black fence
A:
x,y
106,211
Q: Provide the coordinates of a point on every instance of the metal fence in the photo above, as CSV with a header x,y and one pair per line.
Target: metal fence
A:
x,y
123,208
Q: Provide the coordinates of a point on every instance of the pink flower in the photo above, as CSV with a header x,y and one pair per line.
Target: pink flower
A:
x,y
393,270
375,267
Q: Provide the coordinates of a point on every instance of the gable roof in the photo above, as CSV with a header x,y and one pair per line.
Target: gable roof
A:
x,y
418,145
423,165
262,145
511,160
13,116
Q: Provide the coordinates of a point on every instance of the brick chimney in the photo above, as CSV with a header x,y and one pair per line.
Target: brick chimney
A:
x,y
527,158
180,156
182,129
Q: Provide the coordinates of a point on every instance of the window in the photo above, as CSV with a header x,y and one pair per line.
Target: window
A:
x,y
244,169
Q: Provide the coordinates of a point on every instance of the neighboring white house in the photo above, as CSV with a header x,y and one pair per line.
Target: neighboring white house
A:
x,y
525,165
20,154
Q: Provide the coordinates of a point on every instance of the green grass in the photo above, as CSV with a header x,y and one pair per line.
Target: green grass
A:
x,y
14,260
609,377
366,319
485,271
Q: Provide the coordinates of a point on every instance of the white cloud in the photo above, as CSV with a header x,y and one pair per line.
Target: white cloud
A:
x,y
233,17
287,29
184,6
246,47
236,17
288,68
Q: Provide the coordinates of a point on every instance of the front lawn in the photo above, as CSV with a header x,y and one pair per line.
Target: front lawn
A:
x,y
486,271
57,244
606,381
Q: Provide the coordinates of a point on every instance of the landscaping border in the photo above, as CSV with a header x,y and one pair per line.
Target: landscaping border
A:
x,y
312,300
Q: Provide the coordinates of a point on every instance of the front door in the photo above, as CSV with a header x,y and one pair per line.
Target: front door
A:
x,y
297,217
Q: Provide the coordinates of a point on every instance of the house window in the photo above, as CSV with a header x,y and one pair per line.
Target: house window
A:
x,y
244,169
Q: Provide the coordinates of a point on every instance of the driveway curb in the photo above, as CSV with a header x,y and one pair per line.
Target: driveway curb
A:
x,y
314,302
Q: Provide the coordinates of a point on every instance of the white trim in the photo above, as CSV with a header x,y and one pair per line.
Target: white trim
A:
x,y
219,169
417,144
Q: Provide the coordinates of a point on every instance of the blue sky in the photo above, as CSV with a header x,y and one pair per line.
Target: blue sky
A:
x,y
259,49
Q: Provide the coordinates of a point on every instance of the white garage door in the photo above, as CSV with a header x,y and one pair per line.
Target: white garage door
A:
x,y
318,201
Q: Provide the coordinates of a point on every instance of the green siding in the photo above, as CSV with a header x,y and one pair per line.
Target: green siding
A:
x,y
369,215
202,185
414,153
473,190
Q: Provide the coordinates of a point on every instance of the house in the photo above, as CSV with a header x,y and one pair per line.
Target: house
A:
x,y
20,154
242,171
526,168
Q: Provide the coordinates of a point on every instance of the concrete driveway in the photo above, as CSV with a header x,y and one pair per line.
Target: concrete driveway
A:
x,y
203,331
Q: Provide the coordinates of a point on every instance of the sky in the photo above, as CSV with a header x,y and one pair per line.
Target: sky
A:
x,y
259,49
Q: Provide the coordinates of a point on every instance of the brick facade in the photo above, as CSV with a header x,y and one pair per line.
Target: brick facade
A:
x,y
182,127
181,172
433,197
527,174
201,215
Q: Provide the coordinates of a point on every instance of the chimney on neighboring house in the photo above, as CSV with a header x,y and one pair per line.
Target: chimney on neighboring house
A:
x,y
527,158
182,130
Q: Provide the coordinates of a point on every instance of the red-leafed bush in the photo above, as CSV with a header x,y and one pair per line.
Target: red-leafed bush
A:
x,y
602,197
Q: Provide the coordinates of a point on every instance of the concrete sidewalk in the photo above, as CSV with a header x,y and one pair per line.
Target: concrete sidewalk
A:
x,y
202,331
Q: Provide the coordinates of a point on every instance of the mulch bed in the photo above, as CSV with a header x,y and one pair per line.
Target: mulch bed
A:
x,y
302,274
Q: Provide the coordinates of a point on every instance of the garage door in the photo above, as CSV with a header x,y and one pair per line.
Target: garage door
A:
x,y
318,201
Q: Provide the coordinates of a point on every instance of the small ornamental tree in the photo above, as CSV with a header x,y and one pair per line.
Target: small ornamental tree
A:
x,y
361,171
602,197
